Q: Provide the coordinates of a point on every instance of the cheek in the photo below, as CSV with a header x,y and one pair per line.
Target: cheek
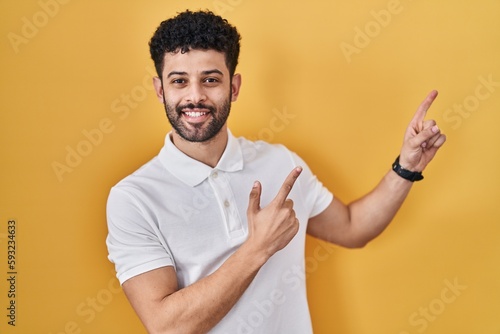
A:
x,y
224,96
171,98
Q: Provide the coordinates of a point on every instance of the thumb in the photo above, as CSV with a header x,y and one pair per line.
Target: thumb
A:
x,y
254,201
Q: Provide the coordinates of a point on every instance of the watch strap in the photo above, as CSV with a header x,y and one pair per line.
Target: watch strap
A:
x,y
405,173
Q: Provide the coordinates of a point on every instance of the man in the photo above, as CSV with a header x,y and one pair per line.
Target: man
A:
x,y
205,236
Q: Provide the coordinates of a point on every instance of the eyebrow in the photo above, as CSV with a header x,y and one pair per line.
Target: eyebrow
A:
x,y
212,72
175,73
207,72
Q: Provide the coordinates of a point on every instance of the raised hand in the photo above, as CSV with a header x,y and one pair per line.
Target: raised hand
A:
x,y
422,139
273,227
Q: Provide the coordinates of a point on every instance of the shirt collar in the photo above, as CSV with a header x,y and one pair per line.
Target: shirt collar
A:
x,y
193,172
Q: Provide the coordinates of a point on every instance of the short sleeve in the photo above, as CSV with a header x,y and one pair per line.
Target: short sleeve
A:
x,y
316,196
134,241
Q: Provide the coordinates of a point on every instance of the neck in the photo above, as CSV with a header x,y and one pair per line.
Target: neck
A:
x,y
208,152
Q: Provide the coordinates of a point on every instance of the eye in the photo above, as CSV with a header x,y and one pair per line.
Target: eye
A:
x,y
211,81
178,81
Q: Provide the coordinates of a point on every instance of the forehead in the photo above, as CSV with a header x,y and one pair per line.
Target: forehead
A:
x,y
194,61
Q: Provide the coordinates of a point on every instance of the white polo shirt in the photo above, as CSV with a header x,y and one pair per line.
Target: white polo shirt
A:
x,y
176,211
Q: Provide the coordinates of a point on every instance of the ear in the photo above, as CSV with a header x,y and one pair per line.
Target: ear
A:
x,y
235,87
158,89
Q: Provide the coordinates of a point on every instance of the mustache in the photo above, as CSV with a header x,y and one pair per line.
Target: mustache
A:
x,y
180,108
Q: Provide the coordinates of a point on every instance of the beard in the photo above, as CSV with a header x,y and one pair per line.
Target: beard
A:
x,y
198,132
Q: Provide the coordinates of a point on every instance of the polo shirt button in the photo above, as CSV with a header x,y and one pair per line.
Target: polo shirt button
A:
x,y
226,203
214,175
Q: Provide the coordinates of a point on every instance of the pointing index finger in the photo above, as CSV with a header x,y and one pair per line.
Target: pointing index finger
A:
x,y
288,184
419,116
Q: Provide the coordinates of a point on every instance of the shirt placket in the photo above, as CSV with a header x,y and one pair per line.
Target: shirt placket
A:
x,y
219,181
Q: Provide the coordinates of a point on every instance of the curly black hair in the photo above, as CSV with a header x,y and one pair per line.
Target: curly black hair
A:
x,y
201,30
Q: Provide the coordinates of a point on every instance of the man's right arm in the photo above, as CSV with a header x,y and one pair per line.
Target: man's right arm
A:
x,y
164,308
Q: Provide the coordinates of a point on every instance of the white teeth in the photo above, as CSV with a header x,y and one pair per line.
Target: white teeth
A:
x,y
195,113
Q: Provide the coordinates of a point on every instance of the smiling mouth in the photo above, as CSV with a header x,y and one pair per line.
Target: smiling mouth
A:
x,y
195,113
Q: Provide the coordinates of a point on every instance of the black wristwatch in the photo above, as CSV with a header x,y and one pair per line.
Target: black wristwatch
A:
x,y
405,173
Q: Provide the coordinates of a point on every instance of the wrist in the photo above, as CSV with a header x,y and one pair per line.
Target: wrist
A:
x,y
254,254
406,174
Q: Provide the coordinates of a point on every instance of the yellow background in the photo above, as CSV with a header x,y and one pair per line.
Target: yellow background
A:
x,y
85,66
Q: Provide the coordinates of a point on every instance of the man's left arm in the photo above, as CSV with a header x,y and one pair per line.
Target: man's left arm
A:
x,y
355,224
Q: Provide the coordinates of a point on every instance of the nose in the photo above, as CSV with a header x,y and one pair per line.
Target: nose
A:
x,y
196,93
